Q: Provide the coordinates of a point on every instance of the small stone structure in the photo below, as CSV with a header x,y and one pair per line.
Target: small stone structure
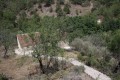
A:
x,y
100,19
25,43
93,73
64,45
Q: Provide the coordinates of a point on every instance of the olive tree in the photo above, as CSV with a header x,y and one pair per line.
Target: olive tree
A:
x,y
46,47
6,40
66,9
59,11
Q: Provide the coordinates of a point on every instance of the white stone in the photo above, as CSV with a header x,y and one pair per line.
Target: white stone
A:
x,y
99,21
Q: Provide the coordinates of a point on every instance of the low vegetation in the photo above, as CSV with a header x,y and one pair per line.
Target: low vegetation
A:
x,y
3,77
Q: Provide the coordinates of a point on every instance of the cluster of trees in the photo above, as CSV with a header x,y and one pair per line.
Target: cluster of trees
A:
x,y
74,26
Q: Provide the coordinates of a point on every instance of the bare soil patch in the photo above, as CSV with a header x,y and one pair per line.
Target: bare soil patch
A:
x,y
23,68
14,68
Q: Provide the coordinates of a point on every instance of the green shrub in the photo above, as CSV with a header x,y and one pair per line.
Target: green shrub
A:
x,y
66,9
114,45
3,77
92,61
59,11
77,1
89,48
60,2
48,2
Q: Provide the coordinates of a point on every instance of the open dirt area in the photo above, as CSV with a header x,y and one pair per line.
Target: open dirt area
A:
x,y
18,68
15,67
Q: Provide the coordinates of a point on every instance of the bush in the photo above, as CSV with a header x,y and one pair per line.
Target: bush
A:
x,y
92,61
60,2
3,77
66,9
59,11
88,48
77,1
114,45
48,2
83,58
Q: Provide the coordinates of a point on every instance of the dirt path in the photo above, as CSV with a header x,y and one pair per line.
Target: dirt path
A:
x,y
91,71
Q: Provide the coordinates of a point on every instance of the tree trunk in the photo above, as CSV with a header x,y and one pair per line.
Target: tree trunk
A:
x,y
41,65
5,53
117,68
49,62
